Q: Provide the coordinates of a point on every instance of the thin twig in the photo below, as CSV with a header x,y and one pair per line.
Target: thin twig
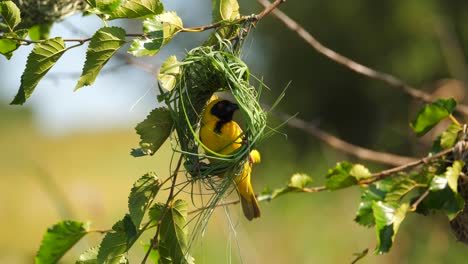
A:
x,y
414,206
163,213
269,8
360,152
257,17
217,205
385,173
103,231
353,65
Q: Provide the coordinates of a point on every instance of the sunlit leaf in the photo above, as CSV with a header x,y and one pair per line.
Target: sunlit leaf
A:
x,y
104,44
10,15
58,240
173,233
41,59
438,183
8,46
431,114
387,223
340,176
225,10
115,244
137,9
401,187
453,173
89,256
142,194
39,32
359,172
364,215
154,130
170,69
450,136
159,31
104,6
300,181
297,183
154,254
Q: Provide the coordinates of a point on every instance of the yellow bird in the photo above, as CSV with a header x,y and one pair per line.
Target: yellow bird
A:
x,y
220,134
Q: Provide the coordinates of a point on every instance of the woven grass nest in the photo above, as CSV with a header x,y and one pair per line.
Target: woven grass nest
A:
x,y
205,71
460,223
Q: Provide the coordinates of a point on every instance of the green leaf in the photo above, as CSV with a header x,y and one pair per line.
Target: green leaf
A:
x,y
104,44
154,130
160,30
300,181
340,176
39,32
297,183
154,254
401,187
438,183
445,201
155,212
10,15
364,215
173,233
387,222
225,10
450,136
453,173
103,6
115,244
137,9
170,69
450,178
89,256
431,114
41,59
142,194
7,46
436,146
58,240
360,172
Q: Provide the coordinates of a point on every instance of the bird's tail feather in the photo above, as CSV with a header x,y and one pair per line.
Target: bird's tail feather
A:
x,y
250,206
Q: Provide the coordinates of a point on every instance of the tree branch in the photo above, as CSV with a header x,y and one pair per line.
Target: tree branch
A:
x,y
353,65
339,144
154,241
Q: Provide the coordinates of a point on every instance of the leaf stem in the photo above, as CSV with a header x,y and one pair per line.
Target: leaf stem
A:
x,y
414,206
454,120
154,241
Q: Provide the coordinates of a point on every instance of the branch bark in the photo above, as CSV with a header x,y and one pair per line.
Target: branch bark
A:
x,y
353,65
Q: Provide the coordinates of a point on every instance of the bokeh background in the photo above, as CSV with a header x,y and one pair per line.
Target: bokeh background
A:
x,y
65,154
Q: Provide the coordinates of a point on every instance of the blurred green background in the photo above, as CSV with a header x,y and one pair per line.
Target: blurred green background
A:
x,y
66,155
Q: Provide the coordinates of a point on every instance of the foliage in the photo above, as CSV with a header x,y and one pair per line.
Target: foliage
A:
x,y
387,197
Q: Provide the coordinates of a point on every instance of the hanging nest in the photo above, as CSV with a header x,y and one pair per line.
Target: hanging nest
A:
x,y
460,223
40,12
205,71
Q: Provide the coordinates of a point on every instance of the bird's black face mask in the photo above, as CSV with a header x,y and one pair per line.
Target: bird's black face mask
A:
x,y
224,110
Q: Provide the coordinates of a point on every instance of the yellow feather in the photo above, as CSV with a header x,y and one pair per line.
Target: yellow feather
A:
x,y
225,142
